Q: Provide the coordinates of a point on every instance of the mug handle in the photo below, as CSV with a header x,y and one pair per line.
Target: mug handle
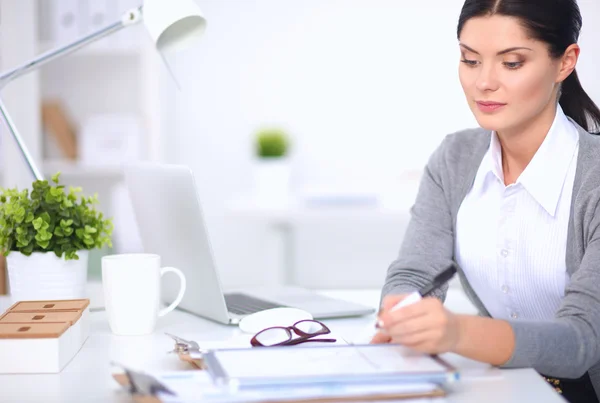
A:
x,y
182,285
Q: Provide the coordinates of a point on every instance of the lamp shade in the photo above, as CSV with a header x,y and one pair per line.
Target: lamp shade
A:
x,y
173,24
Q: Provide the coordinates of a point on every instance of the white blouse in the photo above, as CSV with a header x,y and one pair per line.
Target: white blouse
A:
x,y
511,240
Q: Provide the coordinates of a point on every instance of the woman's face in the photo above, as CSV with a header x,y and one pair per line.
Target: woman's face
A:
x,y
508,78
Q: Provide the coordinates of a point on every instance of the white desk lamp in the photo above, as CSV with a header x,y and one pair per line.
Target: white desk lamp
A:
x,y
172,25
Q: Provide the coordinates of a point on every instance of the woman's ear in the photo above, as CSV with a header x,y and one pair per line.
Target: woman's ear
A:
x,y
568,62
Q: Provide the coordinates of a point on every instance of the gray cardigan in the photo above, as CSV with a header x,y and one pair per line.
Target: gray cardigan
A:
x,y
568,345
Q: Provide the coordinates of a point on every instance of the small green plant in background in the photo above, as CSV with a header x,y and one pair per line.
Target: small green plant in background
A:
x,y
50,220
272,143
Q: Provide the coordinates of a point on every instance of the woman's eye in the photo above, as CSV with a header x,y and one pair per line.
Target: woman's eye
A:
x,y
513,65
470,63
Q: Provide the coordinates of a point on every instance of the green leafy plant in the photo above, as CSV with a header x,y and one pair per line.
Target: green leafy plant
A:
x,y
50,220
271,143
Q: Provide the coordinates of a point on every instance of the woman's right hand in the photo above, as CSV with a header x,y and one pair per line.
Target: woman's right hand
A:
x,y
425,325
382,337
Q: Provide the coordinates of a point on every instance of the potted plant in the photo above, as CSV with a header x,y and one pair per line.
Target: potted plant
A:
x,y
272,167
45,235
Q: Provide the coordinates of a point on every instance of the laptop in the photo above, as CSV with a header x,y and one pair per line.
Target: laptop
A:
x,y
171,224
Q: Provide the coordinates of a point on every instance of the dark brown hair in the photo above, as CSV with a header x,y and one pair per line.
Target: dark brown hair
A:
x,y
557,23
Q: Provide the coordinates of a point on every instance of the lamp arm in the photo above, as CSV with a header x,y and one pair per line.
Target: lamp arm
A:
x,y
130,18
15,133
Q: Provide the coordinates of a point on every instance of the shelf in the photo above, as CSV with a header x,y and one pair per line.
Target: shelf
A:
x,y
117,74
76,169
91,50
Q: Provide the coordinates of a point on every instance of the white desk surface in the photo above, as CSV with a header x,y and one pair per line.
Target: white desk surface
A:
x,y
88,376
294,211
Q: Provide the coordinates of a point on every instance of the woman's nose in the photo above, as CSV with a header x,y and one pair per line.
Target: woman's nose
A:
x,y
487,79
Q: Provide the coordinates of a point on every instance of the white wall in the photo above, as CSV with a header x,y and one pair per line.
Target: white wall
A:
x,y
18,19
590,48
367,88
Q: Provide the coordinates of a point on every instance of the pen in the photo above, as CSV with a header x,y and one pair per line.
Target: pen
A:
x,y
437,282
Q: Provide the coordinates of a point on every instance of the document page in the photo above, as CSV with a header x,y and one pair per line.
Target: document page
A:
x,y
282,362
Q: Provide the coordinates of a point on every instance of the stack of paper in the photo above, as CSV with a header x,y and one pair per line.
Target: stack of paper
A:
x,y
303,374
194,386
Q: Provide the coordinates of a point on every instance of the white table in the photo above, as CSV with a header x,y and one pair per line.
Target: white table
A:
x,y
88,377
302,239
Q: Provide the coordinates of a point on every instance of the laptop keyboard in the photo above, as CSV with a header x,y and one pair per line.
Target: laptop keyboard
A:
x,y
242,304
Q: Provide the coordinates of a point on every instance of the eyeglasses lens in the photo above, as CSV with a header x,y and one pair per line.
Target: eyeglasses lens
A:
x,y
271,337
309,326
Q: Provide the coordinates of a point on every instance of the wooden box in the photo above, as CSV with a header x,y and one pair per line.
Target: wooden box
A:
x,y
42,336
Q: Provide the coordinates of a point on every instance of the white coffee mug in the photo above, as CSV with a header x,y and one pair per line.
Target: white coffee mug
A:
x,y
131,285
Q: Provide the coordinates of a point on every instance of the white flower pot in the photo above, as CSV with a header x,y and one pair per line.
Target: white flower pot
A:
x,y
272,180
43,276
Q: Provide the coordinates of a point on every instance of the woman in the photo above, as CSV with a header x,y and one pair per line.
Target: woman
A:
x,y
515,204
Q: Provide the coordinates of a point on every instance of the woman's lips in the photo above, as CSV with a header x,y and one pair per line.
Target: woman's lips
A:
x,y
489,107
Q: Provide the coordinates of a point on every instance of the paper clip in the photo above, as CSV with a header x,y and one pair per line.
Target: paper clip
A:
x,y
143,384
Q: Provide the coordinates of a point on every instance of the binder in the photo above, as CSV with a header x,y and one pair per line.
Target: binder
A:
x,y
97,14
64,20
324,366
145,395
144,388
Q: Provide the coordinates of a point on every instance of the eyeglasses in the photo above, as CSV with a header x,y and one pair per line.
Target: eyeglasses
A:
x,y
282,335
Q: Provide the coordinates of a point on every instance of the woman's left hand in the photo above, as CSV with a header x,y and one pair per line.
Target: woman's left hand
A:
x,y
426,326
